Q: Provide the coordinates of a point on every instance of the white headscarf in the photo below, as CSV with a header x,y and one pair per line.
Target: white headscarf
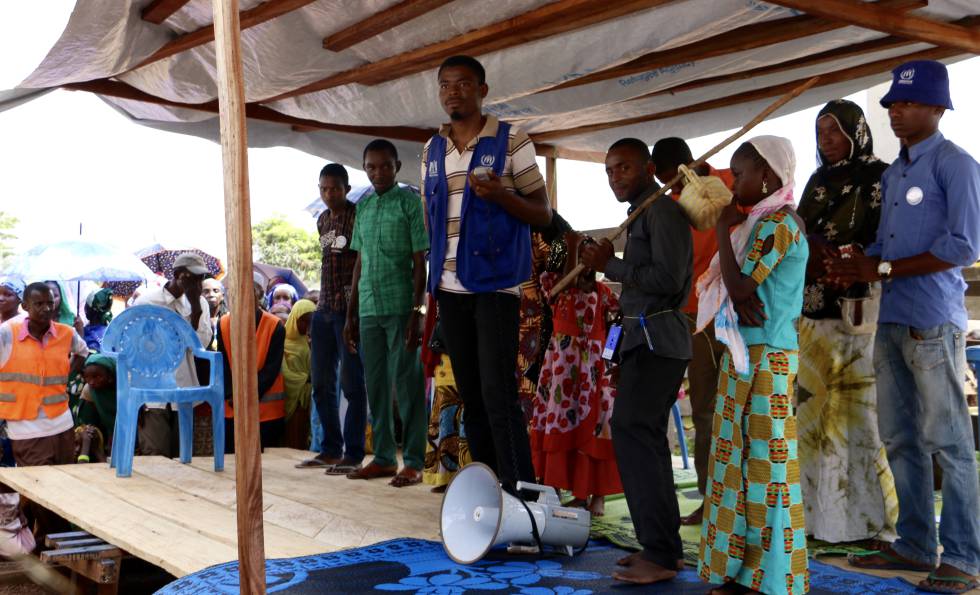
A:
x,y
778,153
714,303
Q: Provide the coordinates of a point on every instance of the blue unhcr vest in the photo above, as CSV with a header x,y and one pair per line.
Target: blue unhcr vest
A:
x,y
494,249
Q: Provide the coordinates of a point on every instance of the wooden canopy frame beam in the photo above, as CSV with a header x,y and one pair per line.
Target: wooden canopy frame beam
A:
x,y
848,74
547,21
254,111
158,11
850,51
870,16
255,16
262,113
404,11
743,38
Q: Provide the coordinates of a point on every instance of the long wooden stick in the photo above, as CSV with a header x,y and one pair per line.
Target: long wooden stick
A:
x,y
244,379
570,277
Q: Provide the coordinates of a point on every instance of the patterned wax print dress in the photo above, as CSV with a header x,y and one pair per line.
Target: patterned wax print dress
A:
x,y
753,531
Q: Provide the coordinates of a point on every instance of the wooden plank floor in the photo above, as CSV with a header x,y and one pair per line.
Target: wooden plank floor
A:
x,y
182,517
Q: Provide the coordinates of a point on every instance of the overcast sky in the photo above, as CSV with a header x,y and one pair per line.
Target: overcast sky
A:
x,y
68,159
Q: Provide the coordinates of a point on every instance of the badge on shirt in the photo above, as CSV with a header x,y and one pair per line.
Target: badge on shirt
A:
x,y
914,195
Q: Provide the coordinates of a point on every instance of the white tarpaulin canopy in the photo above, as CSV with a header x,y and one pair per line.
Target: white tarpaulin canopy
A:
x,y
326,76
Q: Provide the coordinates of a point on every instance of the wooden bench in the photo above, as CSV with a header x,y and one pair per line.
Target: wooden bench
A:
x,y
86,555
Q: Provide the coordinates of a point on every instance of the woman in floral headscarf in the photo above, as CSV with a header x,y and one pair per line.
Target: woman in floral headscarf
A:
x,y
11,295
848,489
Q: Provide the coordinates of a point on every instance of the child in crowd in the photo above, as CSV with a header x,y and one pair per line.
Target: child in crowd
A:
x,y
98,311
571,445
97,406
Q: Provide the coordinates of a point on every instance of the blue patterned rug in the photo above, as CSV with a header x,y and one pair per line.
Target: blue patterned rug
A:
x,y
417,566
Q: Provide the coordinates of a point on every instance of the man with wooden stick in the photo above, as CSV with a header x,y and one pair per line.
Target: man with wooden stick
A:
x,y
655,347
483,191
702,374
930,230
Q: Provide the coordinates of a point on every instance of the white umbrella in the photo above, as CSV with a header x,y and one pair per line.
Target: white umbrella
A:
x,y
78,260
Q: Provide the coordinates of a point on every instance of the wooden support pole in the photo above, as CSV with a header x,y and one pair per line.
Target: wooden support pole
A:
x,y
551,179
238,222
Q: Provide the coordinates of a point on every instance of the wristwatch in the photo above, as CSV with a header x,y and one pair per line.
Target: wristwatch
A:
x,y
420,309
884,269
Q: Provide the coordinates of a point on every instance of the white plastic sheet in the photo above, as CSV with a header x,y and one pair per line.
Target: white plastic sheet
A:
x,y
103,41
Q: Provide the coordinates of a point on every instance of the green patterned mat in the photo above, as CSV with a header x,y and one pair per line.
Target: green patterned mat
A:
x,y
617,526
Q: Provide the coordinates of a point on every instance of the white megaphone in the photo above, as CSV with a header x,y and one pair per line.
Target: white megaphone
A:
x,y
478,514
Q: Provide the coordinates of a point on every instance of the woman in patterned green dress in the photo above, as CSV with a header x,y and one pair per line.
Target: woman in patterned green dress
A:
x,y
752,539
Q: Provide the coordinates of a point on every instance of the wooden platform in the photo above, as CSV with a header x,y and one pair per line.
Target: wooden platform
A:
x,y
182,517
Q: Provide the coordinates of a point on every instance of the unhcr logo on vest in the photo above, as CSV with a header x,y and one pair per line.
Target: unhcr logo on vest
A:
x,y
433,169
487,160
907,77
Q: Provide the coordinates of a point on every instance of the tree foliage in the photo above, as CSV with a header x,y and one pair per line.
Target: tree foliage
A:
x,y
7,225
278,242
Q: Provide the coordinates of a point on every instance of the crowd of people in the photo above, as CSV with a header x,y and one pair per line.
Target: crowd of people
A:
x,y
822,344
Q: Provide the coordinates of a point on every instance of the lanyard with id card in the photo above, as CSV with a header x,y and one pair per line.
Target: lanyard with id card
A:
x,y
610,352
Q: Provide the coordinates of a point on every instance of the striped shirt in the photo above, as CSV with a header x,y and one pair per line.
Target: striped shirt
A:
x,y
520,175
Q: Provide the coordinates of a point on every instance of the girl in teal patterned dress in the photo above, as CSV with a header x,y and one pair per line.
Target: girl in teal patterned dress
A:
x,y
753,539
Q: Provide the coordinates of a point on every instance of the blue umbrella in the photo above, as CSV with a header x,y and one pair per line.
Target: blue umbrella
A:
x,y
78,260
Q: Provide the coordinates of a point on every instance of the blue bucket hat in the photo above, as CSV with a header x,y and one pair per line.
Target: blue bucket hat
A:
x,y
920,81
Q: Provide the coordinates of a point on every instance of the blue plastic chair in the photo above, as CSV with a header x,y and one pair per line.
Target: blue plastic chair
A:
x,y
681,438
149,343
973,357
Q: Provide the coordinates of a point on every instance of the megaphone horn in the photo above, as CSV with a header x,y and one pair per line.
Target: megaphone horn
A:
x,y
478,514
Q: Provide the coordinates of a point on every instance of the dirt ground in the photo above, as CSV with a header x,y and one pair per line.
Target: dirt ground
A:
x,y
137,578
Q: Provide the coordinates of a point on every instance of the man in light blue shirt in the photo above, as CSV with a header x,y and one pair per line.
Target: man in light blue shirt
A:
x,y
930,229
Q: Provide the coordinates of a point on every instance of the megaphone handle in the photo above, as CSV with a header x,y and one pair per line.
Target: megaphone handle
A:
x,y
548,491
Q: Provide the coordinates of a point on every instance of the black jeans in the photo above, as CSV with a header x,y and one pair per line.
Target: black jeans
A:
x,y
648,386
481,333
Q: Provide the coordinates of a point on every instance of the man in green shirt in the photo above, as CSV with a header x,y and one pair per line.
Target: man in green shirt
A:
x,y
385,314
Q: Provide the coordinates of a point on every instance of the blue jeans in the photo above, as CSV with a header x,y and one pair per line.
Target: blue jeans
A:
x,y
922,411
327,353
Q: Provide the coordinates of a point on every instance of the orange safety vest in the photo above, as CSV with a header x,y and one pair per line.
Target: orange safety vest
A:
x,y
272,405
36,376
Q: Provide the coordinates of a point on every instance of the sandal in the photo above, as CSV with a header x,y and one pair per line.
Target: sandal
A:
x,y
344,467
406,477
959,584
887,559
317,463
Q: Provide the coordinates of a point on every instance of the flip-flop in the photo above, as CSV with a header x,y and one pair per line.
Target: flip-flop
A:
x,y
340,469
960,584
314,463
892,561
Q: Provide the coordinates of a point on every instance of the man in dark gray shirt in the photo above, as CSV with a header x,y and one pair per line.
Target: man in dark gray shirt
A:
x,y
656,345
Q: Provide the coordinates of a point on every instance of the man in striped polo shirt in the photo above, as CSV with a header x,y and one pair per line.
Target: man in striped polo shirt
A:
x,y
483,191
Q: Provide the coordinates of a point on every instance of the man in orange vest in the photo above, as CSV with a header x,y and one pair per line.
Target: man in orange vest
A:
x,y
270,339
36,357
